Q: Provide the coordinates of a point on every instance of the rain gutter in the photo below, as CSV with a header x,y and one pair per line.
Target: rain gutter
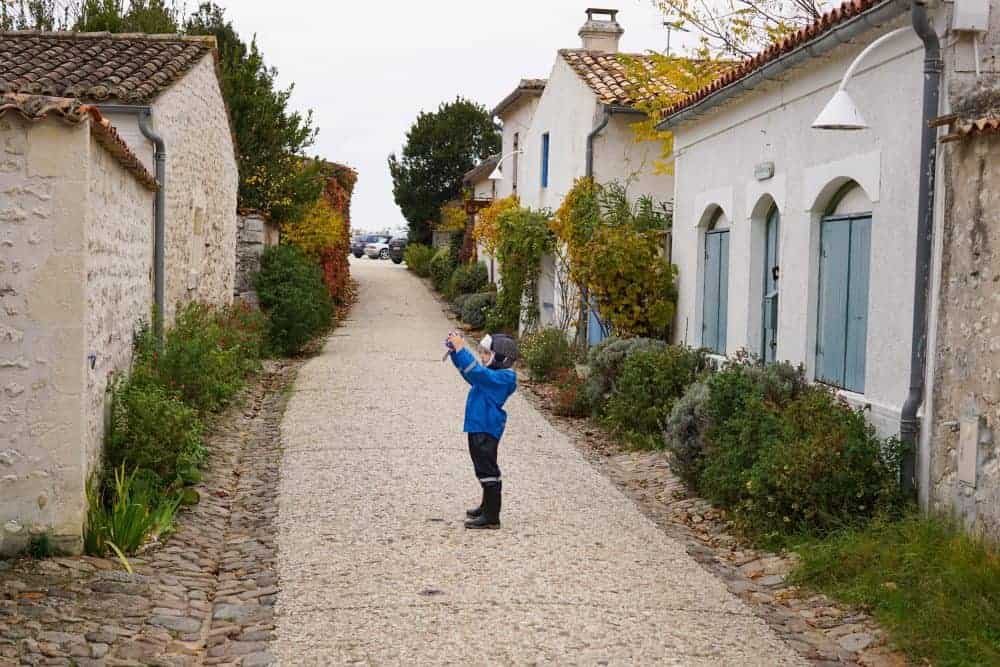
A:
x,y
145,114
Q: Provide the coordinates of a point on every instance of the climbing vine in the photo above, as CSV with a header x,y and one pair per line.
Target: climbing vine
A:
x,y
523,237
487,229
614,252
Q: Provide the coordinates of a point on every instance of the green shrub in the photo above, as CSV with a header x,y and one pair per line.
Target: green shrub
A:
x,y
467,279
418,258
570,399
152,429
646,388
476,308
294,297
546,352
826,470
684,433
203,361
743,418
458,303
606,360
442,266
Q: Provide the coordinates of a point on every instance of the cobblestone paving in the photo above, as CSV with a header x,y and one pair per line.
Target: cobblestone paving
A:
x,y
204,597
819,629
376,568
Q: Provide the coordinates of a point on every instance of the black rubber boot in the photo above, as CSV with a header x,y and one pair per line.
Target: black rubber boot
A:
x,y
475,512
490,517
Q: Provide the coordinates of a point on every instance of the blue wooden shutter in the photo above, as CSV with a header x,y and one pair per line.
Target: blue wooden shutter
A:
x,y
714,311
842,333
545,160
831,343
769,312
857,305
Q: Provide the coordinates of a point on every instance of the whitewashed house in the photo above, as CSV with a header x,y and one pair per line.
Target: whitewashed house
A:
x,y
801,244
576,124
481,191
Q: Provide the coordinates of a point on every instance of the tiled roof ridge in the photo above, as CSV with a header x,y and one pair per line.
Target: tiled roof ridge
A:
x,y
962,127
485,167
829,20
206,40
605,74
524,86
34,108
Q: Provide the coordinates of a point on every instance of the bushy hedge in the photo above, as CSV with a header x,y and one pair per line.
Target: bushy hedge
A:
x,y
546,352
570,399
418,259
467,279
785,457
476,307
441,267
294,297
644,393
606,360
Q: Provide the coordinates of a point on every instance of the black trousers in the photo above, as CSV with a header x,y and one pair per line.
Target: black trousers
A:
x,y
483,450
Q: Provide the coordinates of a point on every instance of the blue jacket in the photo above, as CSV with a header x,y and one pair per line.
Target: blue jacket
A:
x,y
484,411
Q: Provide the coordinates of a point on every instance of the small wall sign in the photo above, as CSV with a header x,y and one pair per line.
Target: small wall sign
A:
x,y
763,171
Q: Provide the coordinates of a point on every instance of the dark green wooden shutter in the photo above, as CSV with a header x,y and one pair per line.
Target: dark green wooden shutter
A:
x,y
716,291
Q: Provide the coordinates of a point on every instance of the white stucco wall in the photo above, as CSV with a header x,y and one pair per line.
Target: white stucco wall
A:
x,y
74,226
202,186
715,159
516,123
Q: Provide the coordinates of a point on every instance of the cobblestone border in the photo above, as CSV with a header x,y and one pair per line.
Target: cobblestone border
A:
x,y
204,597
816,627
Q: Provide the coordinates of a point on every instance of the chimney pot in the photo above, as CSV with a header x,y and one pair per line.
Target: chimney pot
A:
x,y
601,34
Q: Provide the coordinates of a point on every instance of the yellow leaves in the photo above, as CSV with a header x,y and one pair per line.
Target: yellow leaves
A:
x,y
320,228
453,217
487,229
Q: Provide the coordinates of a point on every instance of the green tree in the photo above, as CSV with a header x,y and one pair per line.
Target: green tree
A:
x,y
440,147
155,17
272,139
33,15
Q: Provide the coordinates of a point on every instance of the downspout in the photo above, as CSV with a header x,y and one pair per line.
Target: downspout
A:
x,y
581,330
145,114
933,65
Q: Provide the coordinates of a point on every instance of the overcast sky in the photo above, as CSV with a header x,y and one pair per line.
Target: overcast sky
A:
x,y
366,68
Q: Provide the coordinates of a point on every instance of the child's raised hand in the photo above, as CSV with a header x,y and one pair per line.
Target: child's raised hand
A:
x,y
455,341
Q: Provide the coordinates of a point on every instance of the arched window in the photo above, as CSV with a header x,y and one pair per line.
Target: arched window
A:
x,y
845,256
716,284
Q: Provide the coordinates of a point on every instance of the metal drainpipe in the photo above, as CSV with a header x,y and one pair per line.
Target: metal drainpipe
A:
x,y
933,65
145,114
582,329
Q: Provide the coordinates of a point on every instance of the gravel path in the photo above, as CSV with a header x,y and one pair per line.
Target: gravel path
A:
x,y
376,568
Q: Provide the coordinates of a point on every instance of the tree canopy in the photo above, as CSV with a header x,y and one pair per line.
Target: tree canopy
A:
x,y
441,146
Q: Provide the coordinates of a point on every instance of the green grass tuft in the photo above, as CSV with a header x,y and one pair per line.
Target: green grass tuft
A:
x,y
935,589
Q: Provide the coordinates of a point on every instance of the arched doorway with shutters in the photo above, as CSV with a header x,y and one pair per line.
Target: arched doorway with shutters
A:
x,y
715,285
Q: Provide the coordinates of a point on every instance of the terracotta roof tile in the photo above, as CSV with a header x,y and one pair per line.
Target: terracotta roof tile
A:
x,y
34,108
96,67
964,128
823,24
606,75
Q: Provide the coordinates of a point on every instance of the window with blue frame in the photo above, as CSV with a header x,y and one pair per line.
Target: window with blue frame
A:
x,y
715,305
545,160
842,330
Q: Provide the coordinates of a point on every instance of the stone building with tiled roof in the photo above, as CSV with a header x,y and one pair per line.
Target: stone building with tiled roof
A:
x,y
107,139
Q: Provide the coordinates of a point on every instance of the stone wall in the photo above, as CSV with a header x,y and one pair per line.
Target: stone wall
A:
x,y
202,184
51,176
965,454
254,233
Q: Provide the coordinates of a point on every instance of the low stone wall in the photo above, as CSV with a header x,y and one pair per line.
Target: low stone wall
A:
x,y
965,455
254,233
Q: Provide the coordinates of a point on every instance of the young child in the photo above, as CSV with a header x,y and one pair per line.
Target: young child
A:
x,y
492,382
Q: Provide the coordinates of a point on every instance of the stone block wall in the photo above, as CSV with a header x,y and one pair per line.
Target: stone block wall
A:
x,y
202,185
254,233
965,452
53,318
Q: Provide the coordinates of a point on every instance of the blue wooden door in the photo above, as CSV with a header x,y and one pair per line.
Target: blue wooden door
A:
x,y
716,296
769,313
596,330
842,331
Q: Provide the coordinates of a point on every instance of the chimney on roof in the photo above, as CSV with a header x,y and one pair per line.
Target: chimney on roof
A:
x,y
601,34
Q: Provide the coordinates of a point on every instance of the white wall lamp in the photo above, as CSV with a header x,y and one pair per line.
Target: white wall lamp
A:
x,y
841,113
497,175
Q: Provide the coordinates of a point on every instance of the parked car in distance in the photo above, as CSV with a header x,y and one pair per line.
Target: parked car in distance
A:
x,y
358,244
378,248
397,247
